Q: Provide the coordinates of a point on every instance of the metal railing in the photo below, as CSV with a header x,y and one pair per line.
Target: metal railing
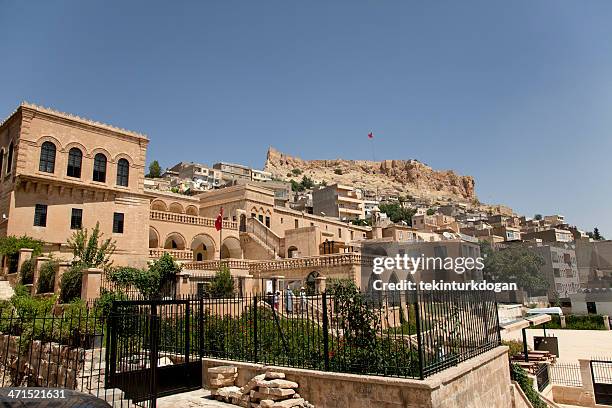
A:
x,y
565,374
422,334
542,376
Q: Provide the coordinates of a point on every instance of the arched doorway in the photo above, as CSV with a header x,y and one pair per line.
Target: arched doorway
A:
x,y
174,241
203,247
393,296
292,252
153,238
231,248
373,295
311,280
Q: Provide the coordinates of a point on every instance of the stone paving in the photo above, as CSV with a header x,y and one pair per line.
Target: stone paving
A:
x,y
197,398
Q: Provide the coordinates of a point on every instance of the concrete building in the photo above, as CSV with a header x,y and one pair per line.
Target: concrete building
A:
x,y
340,201
549,235
560,269
230,171
203,177
260,175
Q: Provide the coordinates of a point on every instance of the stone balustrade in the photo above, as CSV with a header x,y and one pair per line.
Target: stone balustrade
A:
x,y
189,219
177,254
216,264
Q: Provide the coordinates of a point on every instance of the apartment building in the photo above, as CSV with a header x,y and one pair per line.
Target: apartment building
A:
x,y
560,269
550,235
203,177
231,171
436,222
340,201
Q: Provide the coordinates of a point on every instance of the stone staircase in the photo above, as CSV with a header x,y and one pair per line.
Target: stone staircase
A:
x,y
256,232
6,290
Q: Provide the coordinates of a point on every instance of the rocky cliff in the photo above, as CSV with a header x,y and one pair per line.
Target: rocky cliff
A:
x,y
406,177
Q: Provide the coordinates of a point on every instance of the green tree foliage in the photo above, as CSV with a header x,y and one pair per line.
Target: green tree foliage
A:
x,y
154,170
46,276
597,235
222,285
338,172
10,246
305,184
296,172
91,251
397,213
537,217
27,271
516,264
70,284
431,211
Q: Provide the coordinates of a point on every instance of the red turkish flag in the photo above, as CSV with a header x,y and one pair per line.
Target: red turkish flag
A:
x,y
370,135
219,220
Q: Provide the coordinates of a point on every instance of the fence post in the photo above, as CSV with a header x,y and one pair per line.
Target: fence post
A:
x,y
255,327
111,349
201,322
325,330
497,320
154,357
187,332
417,316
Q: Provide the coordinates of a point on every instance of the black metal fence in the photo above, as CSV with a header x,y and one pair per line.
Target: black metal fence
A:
x,y
566,374
390,334
542,376
56,347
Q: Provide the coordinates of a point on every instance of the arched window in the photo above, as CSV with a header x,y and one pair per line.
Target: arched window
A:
x,y
9,159
123,172
1,161
75,158
99,170
47,158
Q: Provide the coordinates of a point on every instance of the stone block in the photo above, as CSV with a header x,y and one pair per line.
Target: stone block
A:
x,y
279,392
226,370
273,375
290,403
282,384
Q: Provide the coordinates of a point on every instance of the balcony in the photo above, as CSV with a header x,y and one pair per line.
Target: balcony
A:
x,y
189,219
177,254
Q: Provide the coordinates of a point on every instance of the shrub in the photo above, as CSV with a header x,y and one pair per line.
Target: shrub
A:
x,y
338,171
90,251
125,277
70,284
520,376
222,285
515,347
27,271
11,245
46,277
296,172
578,322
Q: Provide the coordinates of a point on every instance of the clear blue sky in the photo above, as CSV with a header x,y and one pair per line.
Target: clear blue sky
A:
x,y
517,94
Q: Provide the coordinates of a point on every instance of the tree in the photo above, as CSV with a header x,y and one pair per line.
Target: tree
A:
x,y
537,217
431,211
154,170
516,264
222,285
596,235
91,251
397,213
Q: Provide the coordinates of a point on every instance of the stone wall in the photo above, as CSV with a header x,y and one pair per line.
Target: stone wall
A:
x,y
483,381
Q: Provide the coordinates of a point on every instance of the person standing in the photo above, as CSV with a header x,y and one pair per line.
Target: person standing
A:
x,y
289,300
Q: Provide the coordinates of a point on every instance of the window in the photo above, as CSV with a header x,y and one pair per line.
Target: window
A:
x,y
297,223
40,215
281,220
260,217
76,220
1,161
339,232
123,172
47,157
75,158
253,215
99,171
267,221
9,159
118,223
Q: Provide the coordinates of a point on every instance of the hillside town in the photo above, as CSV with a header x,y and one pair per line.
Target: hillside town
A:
x,y
84,219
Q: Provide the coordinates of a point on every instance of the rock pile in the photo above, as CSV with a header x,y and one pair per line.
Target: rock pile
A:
x,y
269,390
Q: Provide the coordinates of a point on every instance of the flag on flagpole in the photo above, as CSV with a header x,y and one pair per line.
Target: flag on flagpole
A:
x,y
219,220
370,135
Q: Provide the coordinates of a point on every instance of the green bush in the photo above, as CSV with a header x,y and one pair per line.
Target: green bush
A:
x,y
515,347
578,322
70,284
46,277
520,376
222,285
27,271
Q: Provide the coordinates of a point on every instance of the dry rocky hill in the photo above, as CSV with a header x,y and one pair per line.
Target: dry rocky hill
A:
x,y
404,177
